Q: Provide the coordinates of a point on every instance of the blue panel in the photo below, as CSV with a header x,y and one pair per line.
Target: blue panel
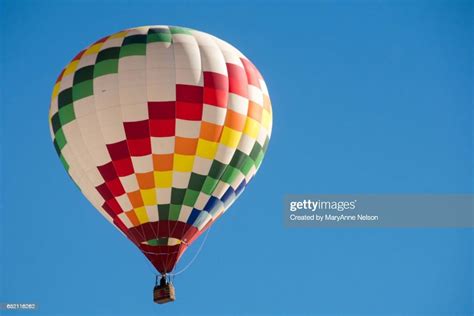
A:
x,y
192,217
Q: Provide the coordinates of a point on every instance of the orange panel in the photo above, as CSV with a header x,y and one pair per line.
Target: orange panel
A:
x,y
211,132
163,162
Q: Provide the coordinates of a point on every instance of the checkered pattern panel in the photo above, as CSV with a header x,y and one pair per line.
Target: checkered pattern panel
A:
x,y
161,128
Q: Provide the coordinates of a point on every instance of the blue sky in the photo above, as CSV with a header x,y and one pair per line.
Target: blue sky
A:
x,y
368,97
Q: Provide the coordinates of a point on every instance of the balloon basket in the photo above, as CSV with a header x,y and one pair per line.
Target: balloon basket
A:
x,y
164,293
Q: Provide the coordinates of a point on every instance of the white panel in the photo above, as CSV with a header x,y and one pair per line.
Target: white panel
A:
x,y
255,94
181,179
201,201
84,107
238,103
214,114
162,145
220,189
163,195
66,82
142,164
86,60
112,42
111,125
152,212
246,144
132,87
189,129
202,165
134,112
106,92
124,202
224,154
129,183
185,213
124,219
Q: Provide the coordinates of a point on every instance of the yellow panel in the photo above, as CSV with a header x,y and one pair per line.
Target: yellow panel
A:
x,y
141,215
56,90
94,49
183,163
119,35
252,127
71,68
230,137
163,179
266,119
206,149
149,196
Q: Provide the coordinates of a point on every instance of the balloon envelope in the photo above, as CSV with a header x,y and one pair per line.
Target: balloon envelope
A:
x,y
161,128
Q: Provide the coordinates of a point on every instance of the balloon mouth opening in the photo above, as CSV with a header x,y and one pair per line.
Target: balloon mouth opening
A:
x,y
163,241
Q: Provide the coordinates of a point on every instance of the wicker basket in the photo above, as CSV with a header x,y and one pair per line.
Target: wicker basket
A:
x,y
164,294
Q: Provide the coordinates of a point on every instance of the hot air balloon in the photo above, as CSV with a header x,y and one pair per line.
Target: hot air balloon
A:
x,y
161,128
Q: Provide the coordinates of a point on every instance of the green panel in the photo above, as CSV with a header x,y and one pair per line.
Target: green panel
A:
x,y
179,30
134,39
196,181
247,165
259,159
255,151
217,168
237,159
56,147
209,185
265,145
55,122
153,242
190,197
106,67
230,174
163,212
133,50
82,90
177,196
64,162
65,97
66,114
159,37
158,241
174,212
107,54
84,74
60,138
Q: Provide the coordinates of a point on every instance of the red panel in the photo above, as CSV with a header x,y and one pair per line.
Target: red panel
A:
x,y
118,150
139,147
124,167
104,191
161,110
114,206
216,81
115,187
162,128
252,73
103,39
237,80
109,210
215,97
108,171
136,130
79,55
188,93
60,75
120,225
189,111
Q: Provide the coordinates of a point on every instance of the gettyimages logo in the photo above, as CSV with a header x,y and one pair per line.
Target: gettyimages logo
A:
x,y
373,210
322,205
